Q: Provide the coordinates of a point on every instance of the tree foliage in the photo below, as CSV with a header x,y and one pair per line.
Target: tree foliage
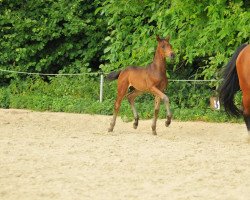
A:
x,y
49,36
204,33
83,35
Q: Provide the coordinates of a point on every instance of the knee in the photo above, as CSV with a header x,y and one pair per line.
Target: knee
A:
x,y
117,105
130,100
165,99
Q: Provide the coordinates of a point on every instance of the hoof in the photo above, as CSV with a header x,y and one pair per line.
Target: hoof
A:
x,y
168,122
110,130
154,133
135,125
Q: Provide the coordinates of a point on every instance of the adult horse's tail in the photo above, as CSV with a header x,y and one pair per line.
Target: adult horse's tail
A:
x,y
230,85
113,75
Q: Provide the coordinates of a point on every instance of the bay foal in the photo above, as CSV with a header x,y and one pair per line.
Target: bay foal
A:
x,y
151,78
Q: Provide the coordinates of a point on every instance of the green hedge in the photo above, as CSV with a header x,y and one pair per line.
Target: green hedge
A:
x,y
189,101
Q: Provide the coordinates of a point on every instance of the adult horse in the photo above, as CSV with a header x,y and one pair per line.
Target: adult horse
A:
x,y
151,78
237,77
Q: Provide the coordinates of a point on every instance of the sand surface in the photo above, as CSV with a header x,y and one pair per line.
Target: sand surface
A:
x,y
47,155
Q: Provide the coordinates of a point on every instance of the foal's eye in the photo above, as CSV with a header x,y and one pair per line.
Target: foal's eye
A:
x,y
163,46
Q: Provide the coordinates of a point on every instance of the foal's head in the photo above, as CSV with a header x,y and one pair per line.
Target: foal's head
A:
x,y
164,47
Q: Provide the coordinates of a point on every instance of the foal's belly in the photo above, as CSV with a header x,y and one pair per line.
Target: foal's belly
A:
x,y
141,80
138,79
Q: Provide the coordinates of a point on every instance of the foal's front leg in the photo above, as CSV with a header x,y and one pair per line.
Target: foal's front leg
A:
x,y
168,112
156,112
165,99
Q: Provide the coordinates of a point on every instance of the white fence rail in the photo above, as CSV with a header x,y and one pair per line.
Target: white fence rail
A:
x,y
101,78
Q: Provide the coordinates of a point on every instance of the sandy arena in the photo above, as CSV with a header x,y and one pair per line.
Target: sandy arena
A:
x,y
66,156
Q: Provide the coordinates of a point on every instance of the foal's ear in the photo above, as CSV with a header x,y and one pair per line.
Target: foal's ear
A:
x,y
167,38
158,38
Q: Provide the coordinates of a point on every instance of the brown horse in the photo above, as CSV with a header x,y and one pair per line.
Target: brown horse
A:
x,y
237,77
151,79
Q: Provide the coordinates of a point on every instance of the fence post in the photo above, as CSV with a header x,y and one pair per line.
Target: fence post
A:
x,y
101,88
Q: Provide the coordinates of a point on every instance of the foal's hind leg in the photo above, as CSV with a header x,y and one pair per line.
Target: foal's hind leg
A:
x,y
131,99
121,91
156,112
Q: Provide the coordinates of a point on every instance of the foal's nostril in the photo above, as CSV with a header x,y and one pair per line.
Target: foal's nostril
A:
x,y
172,55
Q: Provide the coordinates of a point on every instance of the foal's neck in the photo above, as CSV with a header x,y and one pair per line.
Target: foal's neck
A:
x,y
159,62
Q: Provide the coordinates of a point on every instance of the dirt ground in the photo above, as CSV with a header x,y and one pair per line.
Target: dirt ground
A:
x,y
72,156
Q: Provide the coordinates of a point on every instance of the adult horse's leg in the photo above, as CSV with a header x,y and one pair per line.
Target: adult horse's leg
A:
x,y
165,99
121,91
246,111
156,112
131,99
247,120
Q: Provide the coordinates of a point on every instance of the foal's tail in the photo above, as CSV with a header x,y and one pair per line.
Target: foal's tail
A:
x,y
113,75
230,85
